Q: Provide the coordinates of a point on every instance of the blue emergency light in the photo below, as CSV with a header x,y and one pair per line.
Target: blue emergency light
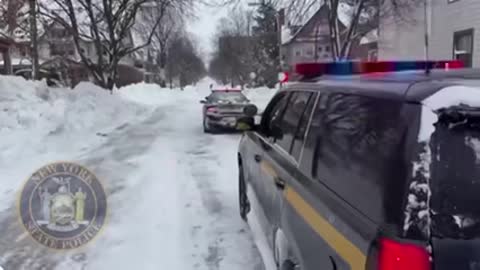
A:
x,y
310,70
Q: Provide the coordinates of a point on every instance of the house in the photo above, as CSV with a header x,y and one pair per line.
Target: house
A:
x,y
311,42
452,27
58,55
5,45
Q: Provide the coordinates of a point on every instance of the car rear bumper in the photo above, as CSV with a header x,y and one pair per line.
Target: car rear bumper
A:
x,y
224,121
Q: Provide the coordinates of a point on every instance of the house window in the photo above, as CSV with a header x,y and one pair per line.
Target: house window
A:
x,y
372,55
320,49
327,48
463,46
309,52
298,53
61,49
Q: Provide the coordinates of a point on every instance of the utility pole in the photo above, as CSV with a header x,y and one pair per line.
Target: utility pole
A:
x,y
34,39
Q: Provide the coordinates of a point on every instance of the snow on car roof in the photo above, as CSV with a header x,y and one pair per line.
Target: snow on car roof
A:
x,y
452,96
444,98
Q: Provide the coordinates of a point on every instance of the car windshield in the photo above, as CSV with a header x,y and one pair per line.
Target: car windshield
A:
x,y
230,97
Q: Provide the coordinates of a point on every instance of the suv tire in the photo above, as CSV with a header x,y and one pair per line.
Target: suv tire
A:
x,y
205,128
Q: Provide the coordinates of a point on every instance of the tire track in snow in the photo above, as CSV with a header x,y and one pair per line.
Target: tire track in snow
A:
x,y
223,240
110,162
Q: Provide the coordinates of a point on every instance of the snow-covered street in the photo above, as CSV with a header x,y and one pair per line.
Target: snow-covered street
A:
x,y
172,190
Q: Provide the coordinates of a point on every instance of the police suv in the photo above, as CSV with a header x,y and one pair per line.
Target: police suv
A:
x,y
222,109
368,166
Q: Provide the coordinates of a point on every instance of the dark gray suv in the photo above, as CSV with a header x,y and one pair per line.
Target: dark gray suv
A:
x,y
222,109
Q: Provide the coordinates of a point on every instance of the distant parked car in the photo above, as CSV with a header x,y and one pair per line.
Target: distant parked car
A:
x,y
223,109
53,79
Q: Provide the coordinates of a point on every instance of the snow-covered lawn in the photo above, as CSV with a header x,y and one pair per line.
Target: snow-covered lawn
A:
x,y
172,190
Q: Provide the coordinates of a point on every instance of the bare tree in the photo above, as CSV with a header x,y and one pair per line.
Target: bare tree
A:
x,y
362,16
184,62
34,38
234,44
171,24
11,18
108,24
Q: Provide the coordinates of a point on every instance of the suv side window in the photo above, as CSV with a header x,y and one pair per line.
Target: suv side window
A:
x,y
355,148
305,108
291,118
274,115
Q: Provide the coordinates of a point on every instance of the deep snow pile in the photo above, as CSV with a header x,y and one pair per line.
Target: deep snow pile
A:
x,y
39,124
34,107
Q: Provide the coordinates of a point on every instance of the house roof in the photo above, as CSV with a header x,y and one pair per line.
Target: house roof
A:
x,y
304,26
344,14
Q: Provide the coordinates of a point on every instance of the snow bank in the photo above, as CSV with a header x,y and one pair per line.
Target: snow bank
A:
x,y
154,95
39,125
35,108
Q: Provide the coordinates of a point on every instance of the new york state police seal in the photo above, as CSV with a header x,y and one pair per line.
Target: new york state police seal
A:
x,y
63,206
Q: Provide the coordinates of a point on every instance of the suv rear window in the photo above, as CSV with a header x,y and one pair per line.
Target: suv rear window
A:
x,y
234,97
455,174
355,147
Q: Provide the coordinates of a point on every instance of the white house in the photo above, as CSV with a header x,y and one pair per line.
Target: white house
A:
x,y
452,26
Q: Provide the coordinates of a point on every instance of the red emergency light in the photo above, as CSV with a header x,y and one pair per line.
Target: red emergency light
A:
x,y
283,77
310,70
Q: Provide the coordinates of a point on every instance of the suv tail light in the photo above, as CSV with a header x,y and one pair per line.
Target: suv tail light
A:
x,y
394,255
212,110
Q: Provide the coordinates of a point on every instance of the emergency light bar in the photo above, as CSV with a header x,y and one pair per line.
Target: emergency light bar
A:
x,y
310,70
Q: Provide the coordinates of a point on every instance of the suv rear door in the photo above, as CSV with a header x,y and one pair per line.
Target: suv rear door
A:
x,y
348,184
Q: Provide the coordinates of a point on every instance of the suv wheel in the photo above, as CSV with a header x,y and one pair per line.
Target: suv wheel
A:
x,y
206,129
288,265
244,203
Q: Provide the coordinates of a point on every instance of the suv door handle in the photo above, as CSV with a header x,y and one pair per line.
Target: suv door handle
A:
x,y
279,182
257,157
